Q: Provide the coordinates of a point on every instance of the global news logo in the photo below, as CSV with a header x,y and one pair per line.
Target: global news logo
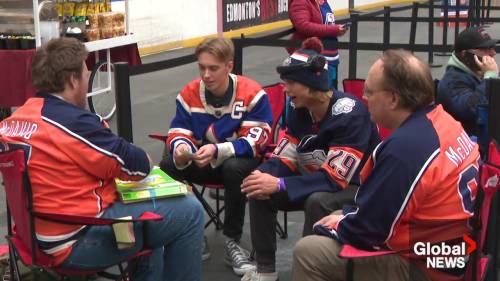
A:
x,y
443,256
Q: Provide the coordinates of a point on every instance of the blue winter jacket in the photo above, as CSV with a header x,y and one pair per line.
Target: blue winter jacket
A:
x,y
460,91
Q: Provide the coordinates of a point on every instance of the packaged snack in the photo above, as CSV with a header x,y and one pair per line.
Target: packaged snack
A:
x,y
106,33
92,8
93,21
81,9
69,9
92,34
60,8
108,5
102,6
118,31
105,20
118,19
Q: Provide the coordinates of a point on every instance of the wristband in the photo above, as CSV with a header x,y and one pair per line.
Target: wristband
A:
x,y
281,185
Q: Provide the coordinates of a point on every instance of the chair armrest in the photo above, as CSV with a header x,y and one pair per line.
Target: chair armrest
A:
x,y
349,251
158,136
83,220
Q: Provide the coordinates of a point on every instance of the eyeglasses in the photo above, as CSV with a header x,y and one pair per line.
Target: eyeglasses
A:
x,y
367,92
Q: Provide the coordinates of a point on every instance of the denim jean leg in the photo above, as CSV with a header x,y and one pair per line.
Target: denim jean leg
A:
x,y
332,75
183,221
181,233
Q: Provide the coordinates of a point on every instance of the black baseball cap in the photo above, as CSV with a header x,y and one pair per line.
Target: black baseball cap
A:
x,y
474,38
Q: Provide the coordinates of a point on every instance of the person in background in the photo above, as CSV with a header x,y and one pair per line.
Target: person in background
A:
x,y
462,88
418,186
315,18
73,160
221,128
315,166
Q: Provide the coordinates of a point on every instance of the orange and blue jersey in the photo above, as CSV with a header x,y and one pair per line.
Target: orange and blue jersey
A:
x,y
325,156
240,129
73,159
419,185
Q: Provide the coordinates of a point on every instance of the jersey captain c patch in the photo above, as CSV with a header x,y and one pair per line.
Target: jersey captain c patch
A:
x,y
343,105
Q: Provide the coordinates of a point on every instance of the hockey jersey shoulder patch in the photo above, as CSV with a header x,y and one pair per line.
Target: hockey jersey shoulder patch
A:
x,y
343,105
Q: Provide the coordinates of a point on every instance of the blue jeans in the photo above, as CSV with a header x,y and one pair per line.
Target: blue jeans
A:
x,y
176,241
332,75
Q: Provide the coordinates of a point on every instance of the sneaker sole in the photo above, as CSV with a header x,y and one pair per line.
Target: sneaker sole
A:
x,y
205,257
239,272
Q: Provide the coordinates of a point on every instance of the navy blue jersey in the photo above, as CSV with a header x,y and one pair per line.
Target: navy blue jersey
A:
x,y
325,156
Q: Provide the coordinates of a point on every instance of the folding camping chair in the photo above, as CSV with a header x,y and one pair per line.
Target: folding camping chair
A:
x,y
355,87
21,235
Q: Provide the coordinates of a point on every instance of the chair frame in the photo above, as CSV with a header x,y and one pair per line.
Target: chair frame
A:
x,y
479,263
15,242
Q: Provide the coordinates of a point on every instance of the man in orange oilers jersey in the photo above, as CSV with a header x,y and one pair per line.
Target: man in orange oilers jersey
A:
x,y
418,186
73,160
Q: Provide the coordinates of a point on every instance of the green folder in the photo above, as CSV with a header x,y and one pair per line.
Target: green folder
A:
x,y
156,185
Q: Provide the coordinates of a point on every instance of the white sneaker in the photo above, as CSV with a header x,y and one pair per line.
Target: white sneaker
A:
x,y
256,276
206,250
238,258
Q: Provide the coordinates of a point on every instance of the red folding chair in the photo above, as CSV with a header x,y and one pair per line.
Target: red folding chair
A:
x,y
490,183
277,99
480,259
21,236
355,87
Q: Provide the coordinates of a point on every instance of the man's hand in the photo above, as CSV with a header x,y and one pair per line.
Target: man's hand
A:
x,y
203,156
329,221
259,185
487,64
182,154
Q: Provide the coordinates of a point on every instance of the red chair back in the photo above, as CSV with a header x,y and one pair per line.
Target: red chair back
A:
x,y
490,184
355,87
277,99
20,205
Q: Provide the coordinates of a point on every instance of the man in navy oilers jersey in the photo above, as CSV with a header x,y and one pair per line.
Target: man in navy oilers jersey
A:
x,y
315,166
418,186
221,127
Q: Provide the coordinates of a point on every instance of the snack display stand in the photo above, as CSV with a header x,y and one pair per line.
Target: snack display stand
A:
x,y
15,64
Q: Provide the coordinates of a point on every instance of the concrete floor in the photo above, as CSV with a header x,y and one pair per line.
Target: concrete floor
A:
x,y
153,106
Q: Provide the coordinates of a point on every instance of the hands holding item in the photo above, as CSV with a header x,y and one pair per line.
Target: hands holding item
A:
x,y
343,29
329,221
182,154
203,156
486,63
260,185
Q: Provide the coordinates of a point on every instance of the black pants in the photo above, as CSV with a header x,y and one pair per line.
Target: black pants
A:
x,y
263,219
231,174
